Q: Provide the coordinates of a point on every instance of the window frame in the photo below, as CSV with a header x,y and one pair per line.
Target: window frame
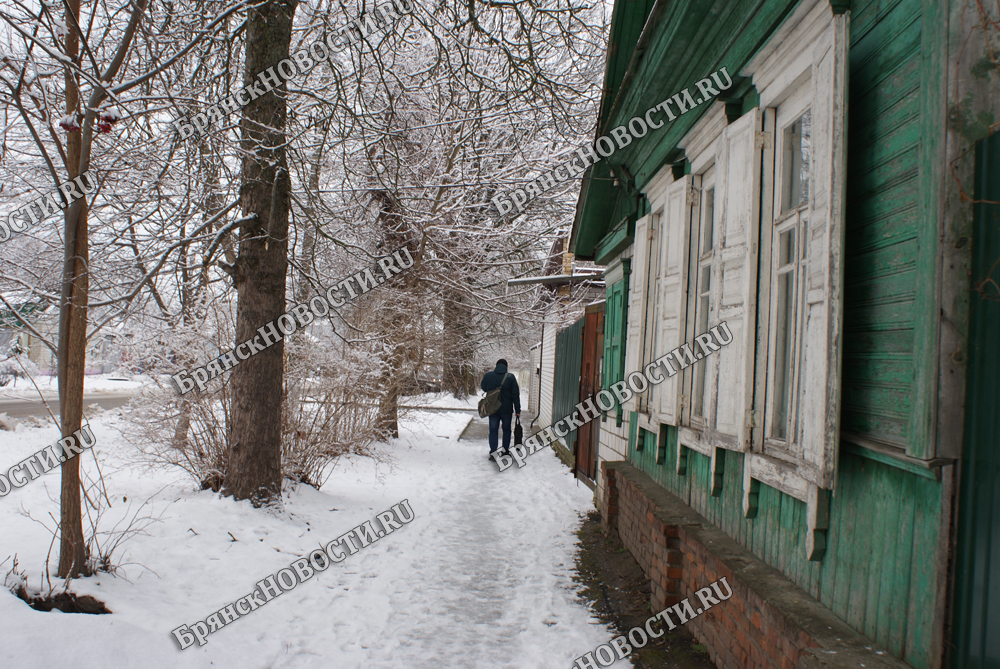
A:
x,y
646,401
803,67
796,100
702,261
700,145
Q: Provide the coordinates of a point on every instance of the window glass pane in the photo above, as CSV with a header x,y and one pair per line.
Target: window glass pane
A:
x,y
796,161
701,367
786,248
783,352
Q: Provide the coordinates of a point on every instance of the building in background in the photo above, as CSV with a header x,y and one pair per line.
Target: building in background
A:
x,y
571,289
21,325
23,328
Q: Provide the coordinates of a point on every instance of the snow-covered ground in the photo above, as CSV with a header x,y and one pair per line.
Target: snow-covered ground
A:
x,y
96,383
480,578
441,401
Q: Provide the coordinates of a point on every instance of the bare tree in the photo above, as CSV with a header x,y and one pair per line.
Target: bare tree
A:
x,y
259,273
92,53
399,141
454,104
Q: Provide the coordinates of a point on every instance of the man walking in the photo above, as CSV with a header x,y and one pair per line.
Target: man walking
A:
x,y
510,402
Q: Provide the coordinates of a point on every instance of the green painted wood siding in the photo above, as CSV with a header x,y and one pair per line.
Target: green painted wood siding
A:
x,y
615,334
888,292
878,573
566,386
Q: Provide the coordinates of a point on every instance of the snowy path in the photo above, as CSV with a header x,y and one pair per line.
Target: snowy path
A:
x,y
481,588
480,578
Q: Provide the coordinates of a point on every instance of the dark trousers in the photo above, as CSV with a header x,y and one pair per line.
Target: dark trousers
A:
x,y
495,420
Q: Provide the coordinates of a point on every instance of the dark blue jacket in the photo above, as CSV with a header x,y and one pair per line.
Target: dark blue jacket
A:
x,y
510,394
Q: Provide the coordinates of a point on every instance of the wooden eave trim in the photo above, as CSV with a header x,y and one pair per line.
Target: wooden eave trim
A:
x,y
807,21
616,241
581,205
652,21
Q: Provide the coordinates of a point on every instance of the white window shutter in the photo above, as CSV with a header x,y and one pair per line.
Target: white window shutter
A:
x,y
734,281
673,290
636,303
819,398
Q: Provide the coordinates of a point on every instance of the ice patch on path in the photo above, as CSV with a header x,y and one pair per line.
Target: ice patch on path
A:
x,y
482,577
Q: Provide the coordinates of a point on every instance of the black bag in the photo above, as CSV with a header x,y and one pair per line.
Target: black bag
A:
x,y
490,404
518,433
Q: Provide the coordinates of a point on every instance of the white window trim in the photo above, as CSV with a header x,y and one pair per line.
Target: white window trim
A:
x,y
656,193
651,307
795,103
700,145
810,44
699,262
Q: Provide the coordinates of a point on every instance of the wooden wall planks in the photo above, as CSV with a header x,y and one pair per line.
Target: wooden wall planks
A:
x,y
878,573
884,306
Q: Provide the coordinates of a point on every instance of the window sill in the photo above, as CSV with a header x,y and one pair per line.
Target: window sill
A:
x,y
646,422
872,449
778,474
695,440
779,450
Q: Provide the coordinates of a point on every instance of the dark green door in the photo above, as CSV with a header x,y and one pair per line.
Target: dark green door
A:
x,y
976,632
566,390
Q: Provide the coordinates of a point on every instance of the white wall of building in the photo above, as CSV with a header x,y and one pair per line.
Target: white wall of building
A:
x,y
533,376
548,361
612,446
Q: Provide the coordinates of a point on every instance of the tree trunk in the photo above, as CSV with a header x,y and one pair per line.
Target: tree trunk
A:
x,y
395,322
72,334
259,275
458,349
387,424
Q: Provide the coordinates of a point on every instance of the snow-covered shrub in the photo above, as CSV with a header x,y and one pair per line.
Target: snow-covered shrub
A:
x,y
190,431
15,367
330,406
7,423
110,528
16,580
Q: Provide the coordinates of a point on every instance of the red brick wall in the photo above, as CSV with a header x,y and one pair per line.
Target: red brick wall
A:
x,y
740,632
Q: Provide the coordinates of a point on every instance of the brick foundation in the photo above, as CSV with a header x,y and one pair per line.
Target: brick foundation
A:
x,y
767,623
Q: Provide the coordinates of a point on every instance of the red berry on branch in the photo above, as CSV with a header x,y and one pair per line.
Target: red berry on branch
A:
x,y
69,124
109,116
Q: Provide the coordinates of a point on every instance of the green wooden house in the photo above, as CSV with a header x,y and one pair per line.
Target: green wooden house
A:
x,y
836,207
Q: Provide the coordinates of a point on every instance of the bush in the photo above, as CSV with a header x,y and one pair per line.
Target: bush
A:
x,y
330,410
330,407
17,366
